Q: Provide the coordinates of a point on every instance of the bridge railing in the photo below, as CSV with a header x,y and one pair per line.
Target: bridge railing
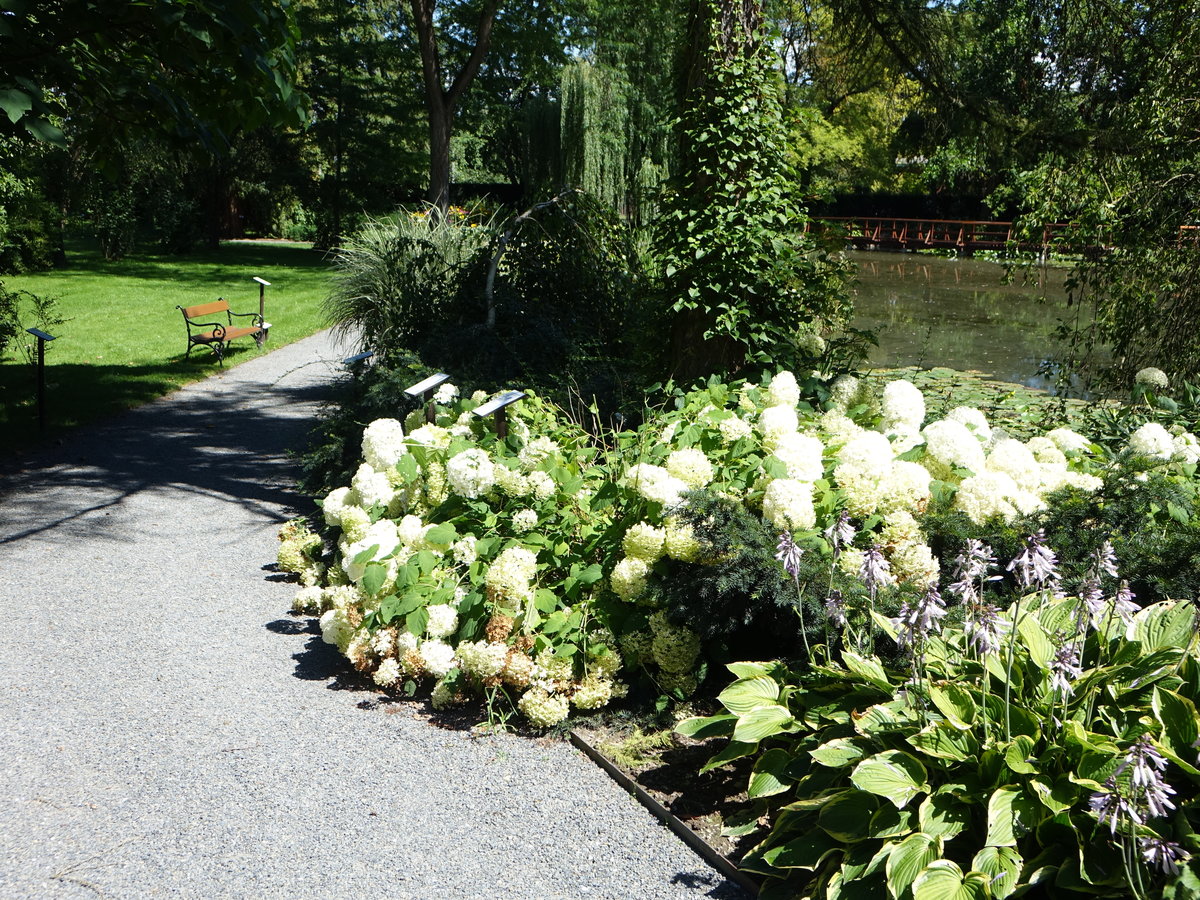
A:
x,y
961,234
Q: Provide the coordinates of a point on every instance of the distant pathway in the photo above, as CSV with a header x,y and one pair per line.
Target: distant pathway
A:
x,y
167,731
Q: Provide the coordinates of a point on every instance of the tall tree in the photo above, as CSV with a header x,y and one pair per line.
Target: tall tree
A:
x,y
444,90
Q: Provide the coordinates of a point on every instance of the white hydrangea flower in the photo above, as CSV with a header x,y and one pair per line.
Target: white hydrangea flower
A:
x,y
906,487
443,695
810,342
987,496
973,419
446,393
430,436
803,455
443,620
1013,458
788,505
655,483
953,443
510,575
1152,441
668,434
644,541
381,534
1155,379
844,392
629,578
591,693
903,404
1068,441
537,451
914,563
839,427
510,482
541,485
336,629
1046,452
383,444
482,658
437,657
543,709
406,642
471,473
372,487
388,673
734,429
1187,448
903,438
333,504
783,390
690,466
869,451
411,531
862,487
308,600
776,421
1082,481
681,542
524,520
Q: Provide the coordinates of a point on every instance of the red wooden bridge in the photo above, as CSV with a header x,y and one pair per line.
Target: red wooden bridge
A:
x,y
887,233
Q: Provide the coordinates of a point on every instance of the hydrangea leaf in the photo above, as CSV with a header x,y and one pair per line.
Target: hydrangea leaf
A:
x,y
442,534
373,578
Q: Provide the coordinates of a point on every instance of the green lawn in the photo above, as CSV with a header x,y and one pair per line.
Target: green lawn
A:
x,y
124,341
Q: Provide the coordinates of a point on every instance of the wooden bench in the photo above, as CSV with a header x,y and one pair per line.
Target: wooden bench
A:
x,y
219,334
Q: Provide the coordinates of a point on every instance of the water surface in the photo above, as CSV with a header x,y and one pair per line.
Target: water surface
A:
x,y
960,313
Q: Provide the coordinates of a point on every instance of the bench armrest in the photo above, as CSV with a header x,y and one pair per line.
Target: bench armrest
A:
x,y
213,325
258,320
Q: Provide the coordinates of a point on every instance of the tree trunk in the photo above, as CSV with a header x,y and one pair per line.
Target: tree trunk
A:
x,y
440,101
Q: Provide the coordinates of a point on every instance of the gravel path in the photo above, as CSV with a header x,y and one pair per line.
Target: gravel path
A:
x,y
169,732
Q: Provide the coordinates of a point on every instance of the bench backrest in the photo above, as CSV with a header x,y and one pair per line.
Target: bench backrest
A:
x,y
205,309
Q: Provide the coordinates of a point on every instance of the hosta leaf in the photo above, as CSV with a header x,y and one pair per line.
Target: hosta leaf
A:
x,y
838,753
944,880
1036,641
889,822
867,669
1057,797
944,815
749,670
943,741
955,703
1181,722
701,727
749,693
801,853
894,774
1002,866
847,816
1165,625
1019,755
768,777
761,723
734,750
1011,813
909,859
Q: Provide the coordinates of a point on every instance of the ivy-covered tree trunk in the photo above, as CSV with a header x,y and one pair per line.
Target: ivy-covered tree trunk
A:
x,y
741,276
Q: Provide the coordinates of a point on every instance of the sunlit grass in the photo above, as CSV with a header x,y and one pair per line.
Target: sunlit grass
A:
x,y
124,341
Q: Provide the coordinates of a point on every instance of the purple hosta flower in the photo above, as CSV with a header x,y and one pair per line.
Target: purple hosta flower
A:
x,y
1123,603
840,534
789,554
1092,596
1065,668
984,627
1109,805
1036,566
1163,855
973,565
1148,765
915,622
875,571
1105,560
835,608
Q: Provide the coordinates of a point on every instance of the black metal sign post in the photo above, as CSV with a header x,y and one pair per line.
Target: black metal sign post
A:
x,y
42,337
424,389
262,295
357,362
497,407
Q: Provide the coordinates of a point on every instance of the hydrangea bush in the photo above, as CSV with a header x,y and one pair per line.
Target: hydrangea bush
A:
x,y
541,568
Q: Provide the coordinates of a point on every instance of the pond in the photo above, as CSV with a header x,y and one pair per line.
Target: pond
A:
x,y
958,313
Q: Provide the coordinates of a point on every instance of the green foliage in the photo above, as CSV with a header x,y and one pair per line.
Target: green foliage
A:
x,y
891,782
397,279
738,269
20,310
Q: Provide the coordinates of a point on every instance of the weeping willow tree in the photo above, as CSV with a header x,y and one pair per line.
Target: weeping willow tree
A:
x,y
594,114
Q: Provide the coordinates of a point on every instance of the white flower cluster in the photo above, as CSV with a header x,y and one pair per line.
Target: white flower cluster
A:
x,y
656,484
509,578
471,473
1155,379
383,444
690,466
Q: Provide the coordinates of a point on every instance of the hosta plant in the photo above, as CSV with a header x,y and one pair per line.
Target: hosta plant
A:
x,y
1049,749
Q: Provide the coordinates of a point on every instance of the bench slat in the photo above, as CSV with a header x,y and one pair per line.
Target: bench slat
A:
x,y
207,337
205,309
